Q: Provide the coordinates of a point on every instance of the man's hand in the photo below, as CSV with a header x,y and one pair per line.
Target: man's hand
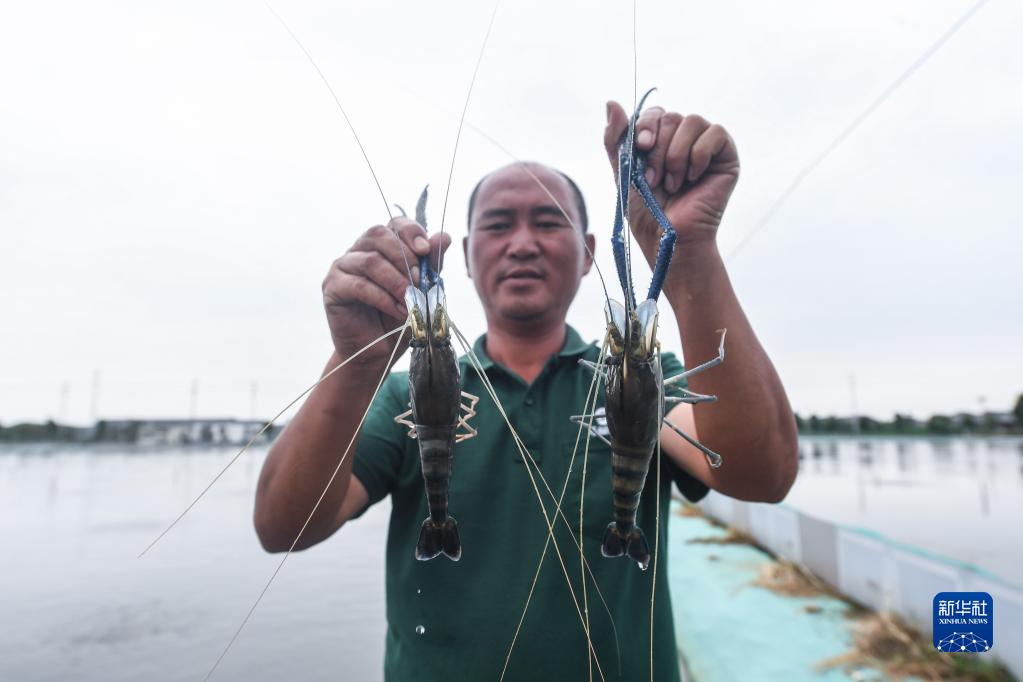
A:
x,y
364,291
692,167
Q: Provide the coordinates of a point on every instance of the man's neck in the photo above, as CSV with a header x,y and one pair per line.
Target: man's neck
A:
x,y
525,350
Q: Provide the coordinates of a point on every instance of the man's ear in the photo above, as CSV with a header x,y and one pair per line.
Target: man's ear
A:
x,y
465,254
591,244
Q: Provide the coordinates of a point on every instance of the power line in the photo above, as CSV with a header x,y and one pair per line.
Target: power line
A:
x,y
856,122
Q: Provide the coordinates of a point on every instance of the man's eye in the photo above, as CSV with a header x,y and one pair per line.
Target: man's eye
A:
x,y
496,226
550,225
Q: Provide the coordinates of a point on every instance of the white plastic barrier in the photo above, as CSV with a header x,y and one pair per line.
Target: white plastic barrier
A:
x,y
875,571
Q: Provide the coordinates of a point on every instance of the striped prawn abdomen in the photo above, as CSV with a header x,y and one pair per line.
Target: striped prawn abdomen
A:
x,y
436,444
435,391
629,467
633,411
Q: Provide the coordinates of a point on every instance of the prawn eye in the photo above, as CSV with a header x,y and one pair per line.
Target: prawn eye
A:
x,y
418,315
437,313
616,317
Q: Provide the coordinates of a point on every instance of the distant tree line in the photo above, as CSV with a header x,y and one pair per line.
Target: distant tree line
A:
x,y
47,431
127,431
986,423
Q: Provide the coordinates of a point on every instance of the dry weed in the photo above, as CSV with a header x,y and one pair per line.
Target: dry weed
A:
x,y
884,642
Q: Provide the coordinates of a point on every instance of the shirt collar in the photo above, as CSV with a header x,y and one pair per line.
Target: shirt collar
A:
x,y
573,346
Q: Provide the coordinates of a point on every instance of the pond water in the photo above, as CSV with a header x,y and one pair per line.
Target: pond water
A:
x,y
76,603
958,497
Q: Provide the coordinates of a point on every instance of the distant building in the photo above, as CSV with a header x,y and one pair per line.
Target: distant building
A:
x,y
142,432
225,431
998,421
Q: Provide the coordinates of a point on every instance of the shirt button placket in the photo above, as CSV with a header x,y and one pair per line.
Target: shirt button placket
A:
x,y
530,425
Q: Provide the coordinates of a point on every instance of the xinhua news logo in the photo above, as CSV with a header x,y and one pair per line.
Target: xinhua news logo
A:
x,y
964,622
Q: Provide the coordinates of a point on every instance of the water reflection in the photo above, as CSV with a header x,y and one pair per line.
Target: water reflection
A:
x,y
866,458
943,457
904,459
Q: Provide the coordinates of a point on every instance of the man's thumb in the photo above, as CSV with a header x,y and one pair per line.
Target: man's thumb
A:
x,y
617,122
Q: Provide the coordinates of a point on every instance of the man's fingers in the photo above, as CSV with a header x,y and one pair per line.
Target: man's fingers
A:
x,y
647,127
378,270
617,122
413,237
439,244
342,288
676,165
397,242
706,147
656,157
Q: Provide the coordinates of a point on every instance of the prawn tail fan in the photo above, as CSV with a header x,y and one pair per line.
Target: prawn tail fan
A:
x,y
631,543
439,538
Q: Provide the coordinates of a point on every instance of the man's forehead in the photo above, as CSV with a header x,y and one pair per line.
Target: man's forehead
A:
x,y
514,185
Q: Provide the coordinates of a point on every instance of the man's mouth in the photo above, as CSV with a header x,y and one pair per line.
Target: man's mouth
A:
x,y
522,274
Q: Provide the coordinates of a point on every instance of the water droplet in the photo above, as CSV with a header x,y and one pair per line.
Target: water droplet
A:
x,y
419,591
420,630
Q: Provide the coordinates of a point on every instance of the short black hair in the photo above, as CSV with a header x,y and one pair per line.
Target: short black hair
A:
x,y
580,202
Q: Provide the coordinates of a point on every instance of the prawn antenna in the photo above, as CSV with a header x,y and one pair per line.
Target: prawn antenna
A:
x,y
351,127
856,122
458,135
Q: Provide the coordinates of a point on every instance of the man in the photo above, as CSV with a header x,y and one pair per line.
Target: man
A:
x,y
526,258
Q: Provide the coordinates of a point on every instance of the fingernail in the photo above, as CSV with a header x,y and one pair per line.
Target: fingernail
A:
x,y
670,183
421,245
402,309
692,174
415,273
649,175
645,137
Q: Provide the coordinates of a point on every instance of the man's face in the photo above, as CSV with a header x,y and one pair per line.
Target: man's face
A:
x,y
524,257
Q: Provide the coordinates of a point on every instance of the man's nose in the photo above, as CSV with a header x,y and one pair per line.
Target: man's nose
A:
x,y
523,243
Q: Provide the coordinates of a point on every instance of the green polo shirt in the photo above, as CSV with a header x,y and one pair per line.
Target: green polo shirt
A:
x,y
456,620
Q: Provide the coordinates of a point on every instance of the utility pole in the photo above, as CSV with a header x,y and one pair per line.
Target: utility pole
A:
x,y
194,401
65,392
94,397
853,405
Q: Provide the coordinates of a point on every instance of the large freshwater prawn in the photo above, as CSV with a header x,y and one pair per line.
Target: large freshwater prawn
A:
x,y
436,407
635,387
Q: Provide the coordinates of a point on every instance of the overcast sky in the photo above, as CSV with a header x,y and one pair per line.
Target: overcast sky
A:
x,y
175,182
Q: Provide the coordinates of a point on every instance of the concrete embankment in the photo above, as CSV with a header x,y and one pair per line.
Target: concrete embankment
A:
x,y
745,612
